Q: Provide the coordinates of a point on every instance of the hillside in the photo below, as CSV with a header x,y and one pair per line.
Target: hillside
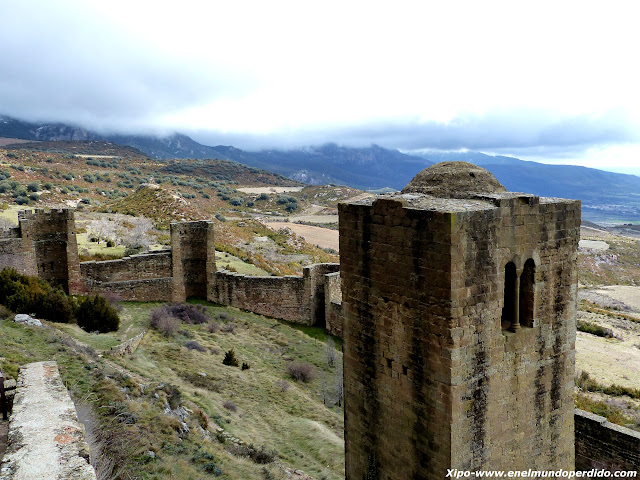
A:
x,y
173,410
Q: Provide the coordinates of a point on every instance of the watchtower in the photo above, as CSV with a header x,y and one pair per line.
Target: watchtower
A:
x,y
193,258
459,331
50,237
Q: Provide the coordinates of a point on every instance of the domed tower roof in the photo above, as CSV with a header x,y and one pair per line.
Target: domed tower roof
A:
x,y
454,180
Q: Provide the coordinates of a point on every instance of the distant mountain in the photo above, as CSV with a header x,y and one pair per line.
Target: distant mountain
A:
x,y
365,168
604,194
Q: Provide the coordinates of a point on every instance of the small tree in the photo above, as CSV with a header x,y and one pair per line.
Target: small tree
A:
x,y
230,359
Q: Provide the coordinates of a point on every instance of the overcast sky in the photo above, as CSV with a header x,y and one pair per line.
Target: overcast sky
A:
x,y
545,80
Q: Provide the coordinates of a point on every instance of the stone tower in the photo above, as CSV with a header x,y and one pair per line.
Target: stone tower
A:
x,y
193,260
459,331
50,236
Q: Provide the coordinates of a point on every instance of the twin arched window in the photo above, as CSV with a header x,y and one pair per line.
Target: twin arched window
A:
x,y
519,296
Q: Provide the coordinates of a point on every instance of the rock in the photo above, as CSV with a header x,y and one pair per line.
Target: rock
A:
x,y
27,320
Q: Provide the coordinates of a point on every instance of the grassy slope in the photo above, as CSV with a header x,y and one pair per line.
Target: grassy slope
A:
x,y
305,433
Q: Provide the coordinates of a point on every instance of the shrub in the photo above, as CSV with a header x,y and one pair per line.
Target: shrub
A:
x,y
111,243
212,327
594,329
228,328
263,196
4,312
283,385
301,371
193,345
133,250
230,359
23,293
163,322
229,405
245,366
57,307
33,187
96,314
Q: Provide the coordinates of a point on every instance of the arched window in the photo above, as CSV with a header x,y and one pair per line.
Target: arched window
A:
x,y
527,293
510,308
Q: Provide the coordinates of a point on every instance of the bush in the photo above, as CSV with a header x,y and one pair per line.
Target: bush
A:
x,y
212,327
229,405
594,329
22,293
245,366
230,359
263,196
283,385
301,371
33,187
162,321
4,312
57,307
228,328
133,250
193,345
111,243
96,314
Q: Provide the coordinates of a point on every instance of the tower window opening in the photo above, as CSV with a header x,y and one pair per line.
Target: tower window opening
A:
x,y
509,310
527,296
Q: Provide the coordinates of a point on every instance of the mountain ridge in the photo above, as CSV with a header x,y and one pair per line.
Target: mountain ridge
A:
x,y
373,167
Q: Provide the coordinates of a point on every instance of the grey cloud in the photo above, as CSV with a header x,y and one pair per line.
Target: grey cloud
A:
x,y
498,131
67,65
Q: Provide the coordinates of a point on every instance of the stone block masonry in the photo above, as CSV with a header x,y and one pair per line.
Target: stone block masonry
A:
x,y
459,332
603,445
46,441
44,244
295,299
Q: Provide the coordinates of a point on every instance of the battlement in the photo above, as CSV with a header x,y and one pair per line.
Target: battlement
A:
x,y
46,214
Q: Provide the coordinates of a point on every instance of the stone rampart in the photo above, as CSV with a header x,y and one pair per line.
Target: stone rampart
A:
x,y
291,298
333,304
135,267
278,297
46,441
13,255
604,445
145,290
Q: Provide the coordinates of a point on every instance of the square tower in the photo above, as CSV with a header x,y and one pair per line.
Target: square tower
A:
x,y
459,331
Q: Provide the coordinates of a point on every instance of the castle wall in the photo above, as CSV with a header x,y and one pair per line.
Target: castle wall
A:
x,y
13,255
432,380
144,290
291,298
135,267
604,445
333,304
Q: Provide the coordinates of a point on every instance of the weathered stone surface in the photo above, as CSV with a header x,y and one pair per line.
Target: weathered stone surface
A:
x,y
46,441
434,378
603,445
454,180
